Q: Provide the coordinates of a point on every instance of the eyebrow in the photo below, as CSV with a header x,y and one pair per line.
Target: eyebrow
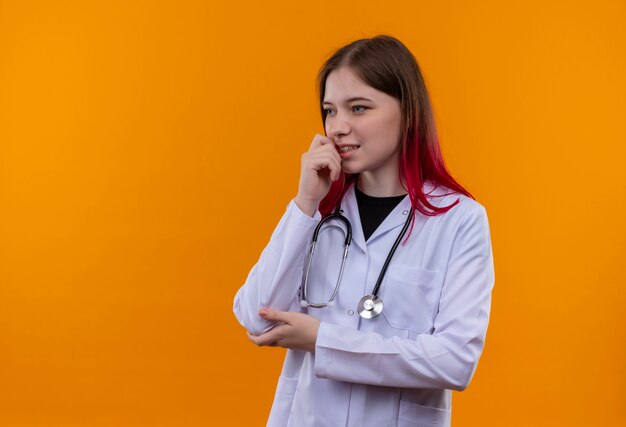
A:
x,y
358,98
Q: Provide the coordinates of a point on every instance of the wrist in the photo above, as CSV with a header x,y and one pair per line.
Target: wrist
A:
x,y
307,206
313,344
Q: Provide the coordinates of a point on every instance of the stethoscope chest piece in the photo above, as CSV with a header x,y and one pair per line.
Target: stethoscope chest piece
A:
x,y
370,306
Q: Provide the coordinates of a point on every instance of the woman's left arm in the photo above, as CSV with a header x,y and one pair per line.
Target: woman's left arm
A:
x,y
445,359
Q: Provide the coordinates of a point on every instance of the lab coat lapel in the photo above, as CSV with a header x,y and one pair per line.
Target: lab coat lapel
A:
x,y
397,216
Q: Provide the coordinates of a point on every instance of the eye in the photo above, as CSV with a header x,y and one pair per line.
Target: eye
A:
x,y
328,110
360,106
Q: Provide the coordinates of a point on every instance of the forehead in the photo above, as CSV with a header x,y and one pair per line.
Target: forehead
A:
x,y
343,83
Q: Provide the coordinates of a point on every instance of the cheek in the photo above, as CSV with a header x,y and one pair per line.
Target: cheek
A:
x,y
392,124
383,133
391,127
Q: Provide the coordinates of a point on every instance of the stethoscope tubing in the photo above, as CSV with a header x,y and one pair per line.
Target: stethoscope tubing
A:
x,y
367,299
336,215
391,252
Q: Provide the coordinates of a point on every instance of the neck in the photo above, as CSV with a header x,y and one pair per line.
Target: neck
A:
x,y
380,185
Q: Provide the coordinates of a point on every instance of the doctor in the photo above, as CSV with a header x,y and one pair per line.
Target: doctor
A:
x,y
380,162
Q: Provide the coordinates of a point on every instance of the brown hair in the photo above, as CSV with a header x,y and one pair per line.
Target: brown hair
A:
x,y
386,64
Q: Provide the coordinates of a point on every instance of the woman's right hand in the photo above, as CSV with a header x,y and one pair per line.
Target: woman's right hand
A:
x,y
320,166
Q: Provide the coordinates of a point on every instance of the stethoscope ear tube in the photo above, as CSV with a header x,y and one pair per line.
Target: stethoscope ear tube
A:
x,y
337,215
305,281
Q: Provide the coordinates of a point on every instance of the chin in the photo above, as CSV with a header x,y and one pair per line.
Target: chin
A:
x,y
352,169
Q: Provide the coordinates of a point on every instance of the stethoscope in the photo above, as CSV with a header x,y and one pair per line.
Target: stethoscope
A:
x,y
370,305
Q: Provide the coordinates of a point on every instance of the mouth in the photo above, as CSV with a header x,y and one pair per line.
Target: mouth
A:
x,y
347,148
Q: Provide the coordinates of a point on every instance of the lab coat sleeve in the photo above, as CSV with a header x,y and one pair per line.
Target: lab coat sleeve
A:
x,y
447,359
275,279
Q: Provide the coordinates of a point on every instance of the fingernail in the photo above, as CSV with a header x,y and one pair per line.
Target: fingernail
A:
x,y
262,312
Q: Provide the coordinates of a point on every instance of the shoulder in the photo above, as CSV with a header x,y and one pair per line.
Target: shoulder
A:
x,y
465,226
441,196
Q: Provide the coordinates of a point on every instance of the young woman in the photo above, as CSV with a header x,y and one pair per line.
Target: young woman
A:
x,y
408,321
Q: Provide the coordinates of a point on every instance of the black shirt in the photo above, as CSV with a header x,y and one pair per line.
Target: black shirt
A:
x,y
374,210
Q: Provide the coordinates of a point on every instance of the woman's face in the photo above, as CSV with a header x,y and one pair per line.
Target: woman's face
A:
x,y
366,131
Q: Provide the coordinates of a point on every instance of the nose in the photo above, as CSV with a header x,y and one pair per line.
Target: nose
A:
x,y
337,126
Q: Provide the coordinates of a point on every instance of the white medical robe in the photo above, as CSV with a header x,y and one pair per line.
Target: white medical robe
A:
x,y
397,369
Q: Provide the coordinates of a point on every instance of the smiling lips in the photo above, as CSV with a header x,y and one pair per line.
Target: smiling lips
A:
x,y
347,148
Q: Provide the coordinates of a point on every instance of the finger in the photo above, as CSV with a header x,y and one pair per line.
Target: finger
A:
x,y
319,140
275,315
333,149
336,169
325,157
266,339
328,160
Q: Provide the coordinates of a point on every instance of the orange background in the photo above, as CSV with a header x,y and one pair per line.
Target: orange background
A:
x,y
148,149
